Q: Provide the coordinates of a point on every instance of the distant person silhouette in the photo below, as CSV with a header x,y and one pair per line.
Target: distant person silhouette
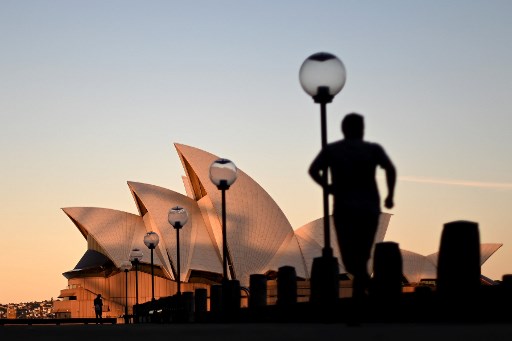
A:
x,y
98,306
352,164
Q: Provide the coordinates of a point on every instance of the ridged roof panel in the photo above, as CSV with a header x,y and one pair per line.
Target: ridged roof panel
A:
x,y
256,226
113,230
487,250
158,200
416,266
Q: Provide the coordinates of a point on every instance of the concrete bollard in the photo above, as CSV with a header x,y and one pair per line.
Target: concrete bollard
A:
x,y
286,286
387,272
506,288
216,298
200,300
458,269
325,282
506,281
187,306
257,290
231,299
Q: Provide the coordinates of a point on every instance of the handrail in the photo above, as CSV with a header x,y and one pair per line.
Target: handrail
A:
x,y
246,290
103,297
58,321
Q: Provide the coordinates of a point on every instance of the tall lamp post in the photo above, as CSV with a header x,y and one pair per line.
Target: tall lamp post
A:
x,y
223,174
178,217
322,75
126,266
151,240
135,257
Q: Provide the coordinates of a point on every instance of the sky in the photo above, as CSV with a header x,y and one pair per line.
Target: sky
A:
x,y
94,94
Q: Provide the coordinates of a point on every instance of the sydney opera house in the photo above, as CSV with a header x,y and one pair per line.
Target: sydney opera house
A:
x,y
260,240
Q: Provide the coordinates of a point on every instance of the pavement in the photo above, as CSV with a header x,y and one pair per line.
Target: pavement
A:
x,y
262,331
413,318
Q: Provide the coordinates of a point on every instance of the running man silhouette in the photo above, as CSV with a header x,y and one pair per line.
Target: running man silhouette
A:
x,y
352,164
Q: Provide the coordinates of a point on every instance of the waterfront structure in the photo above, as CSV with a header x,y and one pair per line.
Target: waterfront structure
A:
x,y
260,240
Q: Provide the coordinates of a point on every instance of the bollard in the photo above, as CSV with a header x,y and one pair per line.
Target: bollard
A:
x,y
231,299
387,272
286,286
458,272
257,290
216,298
506,281
187,306
325,282
458,269
200,301
506,295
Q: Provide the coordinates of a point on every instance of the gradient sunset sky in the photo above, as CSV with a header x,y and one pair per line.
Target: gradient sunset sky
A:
x,y
95,93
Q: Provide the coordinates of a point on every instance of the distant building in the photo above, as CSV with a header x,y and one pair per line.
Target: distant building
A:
x,y
260,240
11,312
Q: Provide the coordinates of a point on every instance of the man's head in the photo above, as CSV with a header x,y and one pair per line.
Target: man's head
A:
x,y
352,126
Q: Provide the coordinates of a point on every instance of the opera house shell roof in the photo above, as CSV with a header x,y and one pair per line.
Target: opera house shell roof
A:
x,y
259,236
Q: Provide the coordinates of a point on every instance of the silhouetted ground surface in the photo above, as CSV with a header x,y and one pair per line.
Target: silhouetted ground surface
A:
x,y
415,317
261,331
412,308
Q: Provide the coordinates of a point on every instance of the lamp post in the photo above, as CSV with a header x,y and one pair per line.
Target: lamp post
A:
x,y
178,217
151,240
223,174
322,75
135,257
126,266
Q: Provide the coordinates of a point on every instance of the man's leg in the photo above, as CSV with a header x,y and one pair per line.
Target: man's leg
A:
x,y
345,225
368,228
356,233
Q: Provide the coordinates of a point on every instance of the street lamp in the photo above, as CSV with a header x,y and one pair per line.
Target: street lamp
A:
x,y
322,75
151,240
126,266
135,257
223,174
178,217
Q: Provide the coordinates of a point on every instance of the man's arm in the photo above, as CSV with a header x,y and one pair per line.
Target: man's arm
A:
x,y
388,166
390,182
316,170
